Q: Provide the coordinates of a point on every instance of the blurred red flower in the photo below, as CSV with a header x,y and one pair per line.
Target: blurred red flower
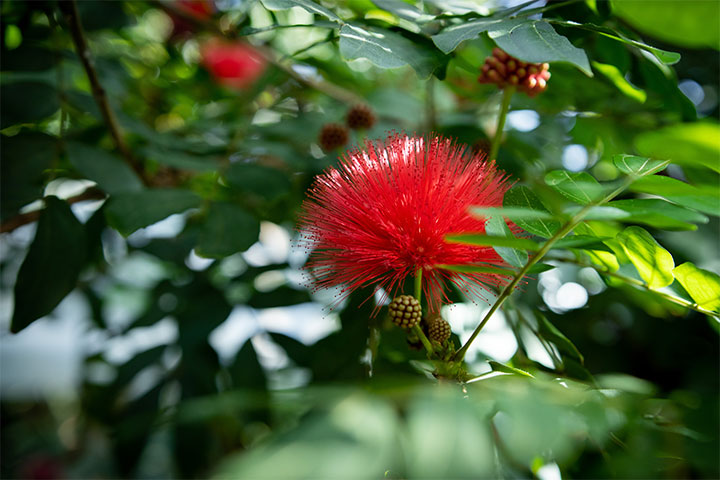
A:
x,y
199,9
384,212
233,64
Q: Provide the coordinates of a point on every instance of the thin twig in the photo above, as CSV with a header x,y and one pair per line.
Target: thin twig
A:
x,y
69,9
639,283
564,230
17,221
504,107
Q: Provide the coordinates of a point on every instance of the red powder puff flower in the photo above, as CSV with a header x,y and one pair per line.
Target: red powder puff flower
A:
x,y
201,10
235,65
385,211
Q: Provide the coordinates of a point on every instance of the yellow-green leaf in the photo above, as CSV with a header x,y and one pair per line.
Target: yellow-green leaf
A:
x,y
702,285
653,263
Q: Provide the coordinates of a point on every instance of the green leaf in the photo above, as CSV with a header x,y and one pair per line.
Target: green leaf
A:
x,y
690,144
640,166
673,22
478,269
51,268
449,39
24,159
494,241
660,213
599,213
404,10
130,211
538,42
549,332
499,367
615,76
653,263
582,241
387,49
227,229
26,102
666,57
181,160
702,285
264,181
579,187
521,196
704,199
307,5
110,172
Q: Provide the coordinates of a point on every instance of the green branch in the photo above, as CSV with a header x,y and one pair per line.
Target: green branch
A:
x,y
504,107
546,247
418,296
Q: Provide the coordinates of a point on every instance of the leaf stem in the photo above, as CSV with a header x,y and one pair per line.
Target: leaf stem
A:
x,y
418,296
564,230
504,107
639,283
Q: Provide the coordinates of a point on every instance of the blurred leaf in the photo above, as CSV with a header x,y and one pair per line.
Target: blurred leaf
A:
x,y
404,10
102,15
297,351
599,213
689,144
264,181
227,229
538,42
702,285
615,76
181,160
626,383
581,241
130,211
28,58
110,172
308,5
25,158
52,266
521,196
654,263
26,102
246,371
279,297
640,166
660,213
672,22
578,187
387,49
477,269
704,199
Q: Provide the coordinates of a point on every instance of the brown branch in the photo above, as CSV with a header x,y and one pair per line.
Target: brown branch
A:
x,y
69,9
91,193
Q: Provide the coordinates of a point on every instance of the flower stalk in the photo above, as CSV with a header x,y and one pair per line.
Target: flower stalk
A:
x,y
416,329
504,107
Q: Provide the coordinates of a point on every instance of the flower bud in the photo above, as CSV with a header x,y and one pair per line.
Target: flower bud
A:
x,y
405,311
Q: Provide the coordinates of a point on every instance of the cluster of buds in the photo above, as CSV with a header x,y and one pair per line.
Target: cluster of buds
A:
x,y
504,70
334,135
438,329
405,311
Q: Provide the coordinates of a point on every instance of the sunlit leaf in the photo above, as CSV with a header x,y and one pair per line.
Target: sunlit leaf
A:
x,y
633,165
307,5
702,285
691,144
704,199
660,213
499,367
599,213
477,269
653,263
579,187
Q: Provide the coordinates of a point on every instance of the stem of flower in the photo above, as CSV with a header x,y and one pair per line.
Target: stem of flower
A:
x,y
564,230
418,295
507,95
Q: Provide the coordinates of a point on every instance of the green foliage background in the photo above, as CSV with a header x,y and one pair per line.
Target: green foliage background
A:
x,y
630,385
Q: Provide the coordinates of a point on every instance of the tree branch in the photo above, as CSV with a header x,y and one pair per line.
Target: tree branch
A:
x,y
17,221
70,11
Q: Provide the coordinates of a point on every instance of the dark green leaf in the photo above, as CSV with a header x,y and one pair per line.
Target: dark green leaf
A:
x,y
581,241
25,157
246,371
579,187
477,269
387,49
538,42
653,263
181,160
549,332
449,39
130,211
52,266
264,181
26,102
496,226
227,229
660,213
110,172
521,196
